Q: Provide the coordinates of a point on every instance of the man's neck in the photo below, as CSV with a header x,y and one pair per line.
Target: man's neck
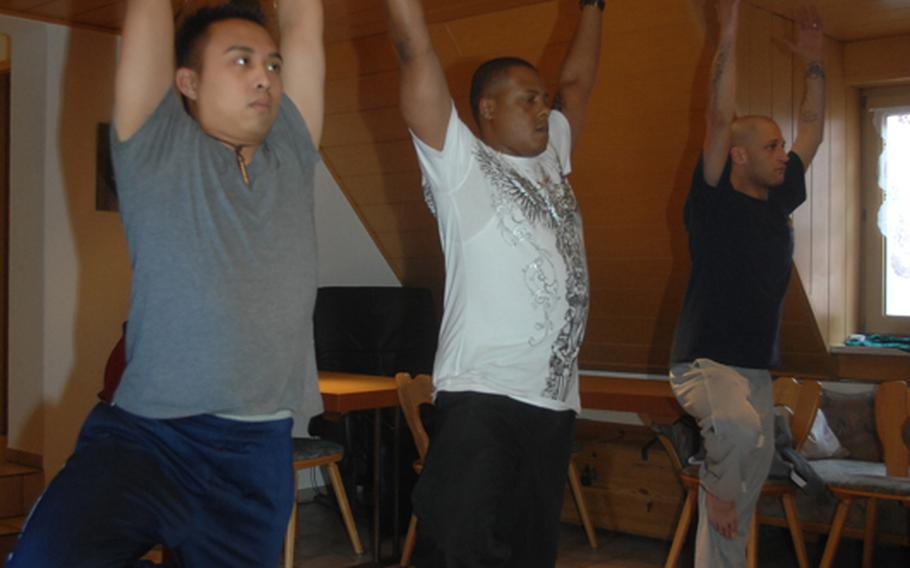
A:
x,y
746,186
246,151
243,155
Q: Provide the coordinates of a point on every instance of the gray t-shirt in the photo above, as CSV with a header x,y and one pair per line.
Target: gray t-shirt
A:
x,y
224,274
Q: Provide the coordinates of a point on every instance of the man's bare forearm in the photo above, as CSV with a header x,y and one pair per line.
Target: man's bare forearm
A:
x,y
721,93
722,88
409,32
301,25
810,47
425,99
146,67
579,70
812,111
303,18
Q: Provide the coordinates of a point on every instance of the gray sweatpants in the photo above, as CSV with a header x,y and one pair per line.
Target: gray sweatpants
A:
x,y
734,408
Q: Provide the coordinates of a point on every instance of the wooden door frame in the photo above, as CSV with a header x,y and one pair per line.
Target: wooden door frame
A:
x,y
5,101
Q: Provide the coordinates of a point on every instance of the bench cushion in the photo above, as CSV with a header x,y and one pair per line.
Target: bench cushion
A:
x,y
861,476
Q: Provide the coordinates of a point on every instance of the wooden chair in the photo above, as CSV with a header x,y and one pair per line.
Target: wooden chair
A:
x,y
803,399
888,481
313,452
412,393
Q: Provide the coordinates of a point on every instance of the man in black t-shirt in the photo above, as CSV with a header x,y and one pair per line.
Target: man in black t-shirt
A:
x,y
741,244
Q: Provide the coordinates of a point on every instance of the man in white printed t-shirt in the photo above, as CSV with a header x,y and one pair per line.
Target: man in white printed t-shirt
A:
x,y
516,297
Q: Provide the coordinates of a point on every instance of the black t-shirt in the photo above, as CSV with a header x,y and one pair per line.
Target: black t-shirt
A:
x,y
742,251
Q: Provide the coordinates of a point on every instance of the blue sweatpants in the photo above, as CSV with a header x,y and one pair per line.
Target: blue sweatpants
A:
x,y
215,492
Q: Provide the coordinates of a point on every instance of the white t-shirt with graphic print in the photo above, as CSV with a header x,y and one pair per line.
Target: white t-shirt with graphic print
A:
x,y
516,296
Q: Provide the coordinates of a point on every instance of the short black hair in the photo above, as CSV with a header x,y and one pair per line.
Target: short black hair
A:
x,y
488,73
188,39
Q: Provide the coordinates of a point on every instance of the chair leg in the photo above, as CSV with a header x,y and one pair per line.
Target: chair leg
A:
x,y
796,530
578,494
752,543
291,536
410,541
682,529
837,526
346,514
869,532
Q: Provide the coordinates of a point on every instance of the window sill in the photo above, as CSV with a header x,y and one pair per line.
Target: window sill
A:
x,y
857,350
870,363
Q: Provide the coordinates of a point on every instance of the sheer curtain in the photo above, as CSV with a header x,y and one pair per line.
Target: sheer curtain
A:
x,y
893,124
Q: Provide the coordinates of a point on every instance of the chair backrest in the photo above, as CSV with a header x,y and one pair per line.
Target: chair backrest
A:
x,y
803,398
411,394
892,422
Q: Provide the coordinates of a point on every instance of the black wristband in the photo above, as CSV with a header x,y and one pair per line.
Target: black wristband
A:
x,y
599,3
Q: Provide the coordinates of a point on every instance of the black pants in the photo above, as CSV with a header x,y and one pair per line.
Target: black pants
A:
x,y
491,491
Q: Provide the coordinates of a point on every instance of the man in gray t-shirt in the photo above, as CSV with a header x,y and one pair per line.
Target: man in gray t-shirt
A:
x,y
215,180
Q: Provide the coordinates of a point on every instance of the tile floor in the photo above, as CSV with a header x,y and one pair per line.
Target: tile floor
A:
x,y
322,543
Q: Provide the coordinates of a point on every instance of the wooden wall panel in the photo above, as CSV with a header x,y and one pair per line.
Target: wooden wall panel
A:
x,y
848,20
838,301
828,230
4,230
877,61
852,208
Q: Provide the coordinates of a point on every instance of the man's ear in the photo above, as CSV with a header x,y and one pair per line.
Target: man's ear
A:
x,y
188,83
738,155
487,108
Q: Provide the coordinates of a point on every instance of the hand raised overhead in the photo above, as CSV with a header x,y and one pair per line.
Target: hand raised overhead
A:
x,y
810,37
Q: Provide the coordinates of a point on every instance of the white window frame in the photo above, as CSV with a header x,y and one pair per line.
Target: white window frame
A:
x,y
872,264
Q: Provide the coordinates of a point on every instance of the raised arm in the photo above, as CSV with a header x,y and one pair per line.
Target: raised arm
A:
x,y
303,51
810,46
721,94
426,103
145,70
579,70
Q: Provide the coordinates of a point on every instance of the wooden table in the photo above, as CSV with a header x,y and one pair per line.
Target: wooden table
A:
x,y
343,393
349,392
653,398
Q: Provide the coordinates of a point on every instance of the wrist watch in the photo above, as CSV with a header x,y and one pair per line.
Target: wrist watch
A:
x,y
599,3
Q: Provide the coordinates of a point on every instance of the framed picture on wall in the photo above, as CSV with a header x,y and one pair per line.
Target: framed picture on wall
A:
x,y
105,187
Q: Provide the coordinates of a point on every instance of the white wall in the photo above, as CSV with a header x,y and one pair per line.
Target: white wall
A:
x,y
348,256
86,268
26,271
69,270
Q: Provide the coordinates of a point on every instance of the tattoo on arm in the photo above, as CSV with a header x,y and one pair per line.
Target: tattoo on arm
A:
x,y
403,48
720,65
815,70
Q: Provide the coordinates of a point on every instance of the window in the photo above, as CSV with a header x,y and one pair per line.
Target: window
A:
x,y
886,211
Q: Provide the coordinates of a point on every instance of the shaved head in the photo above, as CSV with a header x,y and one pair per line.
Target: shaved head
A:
x,y
758,151
746,129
